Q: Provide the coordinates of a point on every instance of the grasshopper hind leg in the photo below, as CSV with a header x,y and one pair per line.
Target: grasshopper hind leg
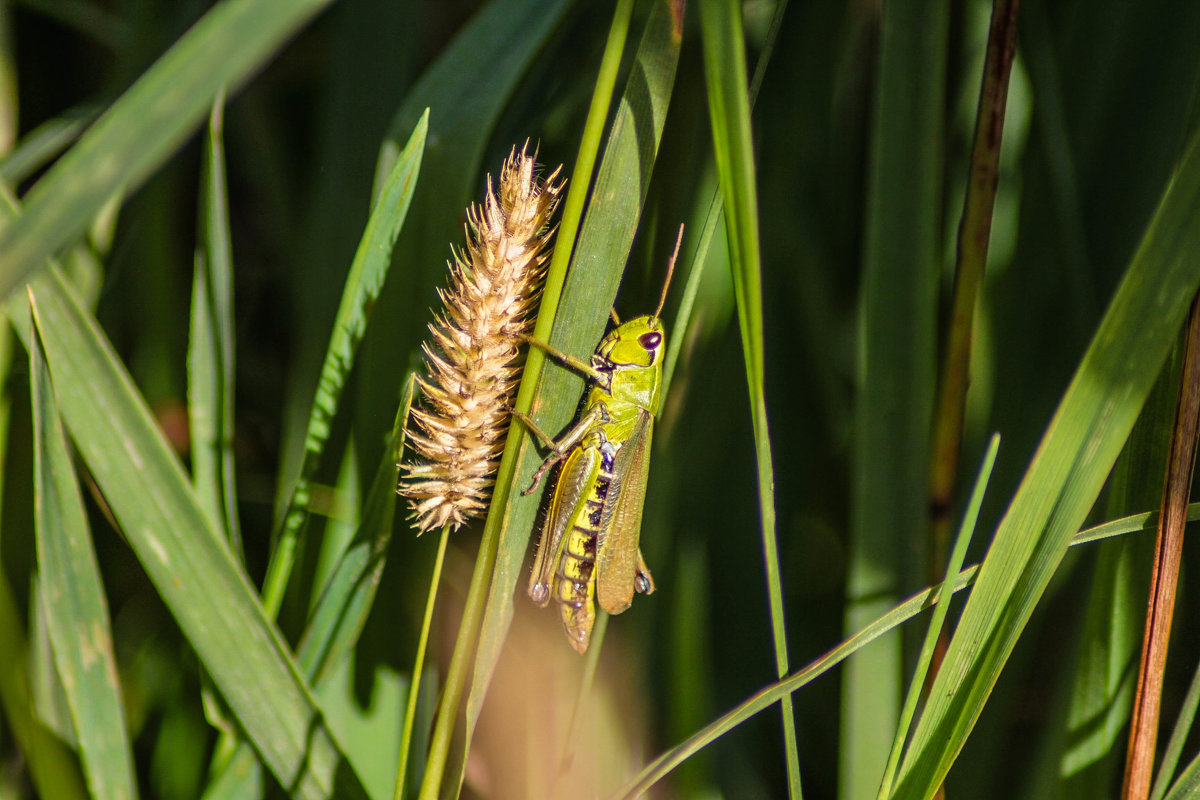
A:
x,y
643,582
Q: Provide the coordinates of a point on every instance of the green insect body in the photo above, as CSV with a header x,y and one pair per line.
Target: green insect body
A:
x,y
589,546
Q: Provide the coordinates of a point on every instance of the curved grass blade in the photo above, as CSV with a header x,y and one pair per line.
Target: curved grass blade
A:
x,y
211,346
1066,475
590,286
190,564
769,695
73,603
146,125
729,110
363,284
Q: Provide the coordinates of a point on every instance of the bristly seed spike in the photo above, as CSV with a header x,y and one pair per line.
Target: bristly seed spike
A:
x,y
473,357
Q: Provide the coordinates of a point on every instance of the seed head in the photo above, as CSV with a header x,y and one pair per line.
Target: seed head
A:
x,y
473,360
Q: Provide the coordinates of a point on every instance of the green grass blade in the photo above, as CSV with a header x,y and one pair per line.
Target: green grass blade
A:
x,y
1187,785
769,695
597,264
38,147
52,767
466,90
934,632
896,371
1179,735
146,125
189,563
729,110
73,602
1091,746
211,346
363,284
342,608
346,600
1076,454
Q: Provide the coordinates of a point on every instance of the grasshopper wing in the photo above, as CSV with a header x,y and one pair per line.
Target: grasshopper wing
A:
x,y
575,481
617,557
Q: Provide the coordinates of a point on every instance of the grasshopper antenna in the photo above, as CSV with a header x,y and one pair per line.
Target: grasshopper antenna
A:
x,y
670,271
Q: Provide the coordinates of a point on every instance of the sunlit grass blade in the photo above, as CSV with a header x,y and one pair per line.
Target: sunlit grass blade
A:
x,y
146,125
769,695
1088,745
73,603
729,111
189,563
363,284
598,259
938,619
1164,574
1087,432
896,371
211,346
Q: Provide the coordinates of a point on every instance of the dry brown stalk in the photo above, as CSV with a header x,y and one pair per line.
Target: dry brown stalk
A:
x,y
474,360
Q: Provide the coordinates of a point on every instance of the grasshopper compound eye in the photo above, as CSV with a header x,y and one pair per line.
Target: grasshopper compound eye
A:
x,y
650,340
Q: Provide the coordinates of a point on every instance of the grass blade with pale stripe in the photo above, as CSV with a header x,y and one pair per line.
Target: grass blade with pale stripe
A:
x,y
73,601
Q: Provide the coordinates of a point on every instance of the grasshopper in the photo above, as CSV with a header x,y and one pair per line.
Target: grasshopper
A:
x,y
589,544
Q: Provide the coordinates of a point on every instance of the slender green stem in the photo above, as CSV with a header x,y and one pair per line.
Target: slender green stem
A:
x,y
414,685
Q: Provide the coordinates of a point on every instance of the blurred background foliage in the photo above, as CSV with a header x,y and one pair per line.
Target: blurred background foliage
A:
x,y
1101,104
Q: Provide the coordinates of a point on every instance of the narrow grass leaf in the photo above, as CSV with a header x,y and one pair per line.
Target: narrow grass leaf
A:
x,y
769,695
189,563
342,608
1179,735
211,346
598,261
363,284
938,619
40,146
53,769
72,596
889,512
1076,454
466,89
146,125
729,112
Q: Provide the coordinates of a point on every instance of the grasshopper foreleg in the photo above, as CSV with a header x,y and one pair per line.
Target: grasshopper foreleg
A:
x,y
577,364
559,448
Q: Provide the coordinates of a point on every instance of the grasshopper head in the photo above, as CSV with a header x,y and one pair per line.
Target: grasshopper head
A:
x,y
634,350
636,343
